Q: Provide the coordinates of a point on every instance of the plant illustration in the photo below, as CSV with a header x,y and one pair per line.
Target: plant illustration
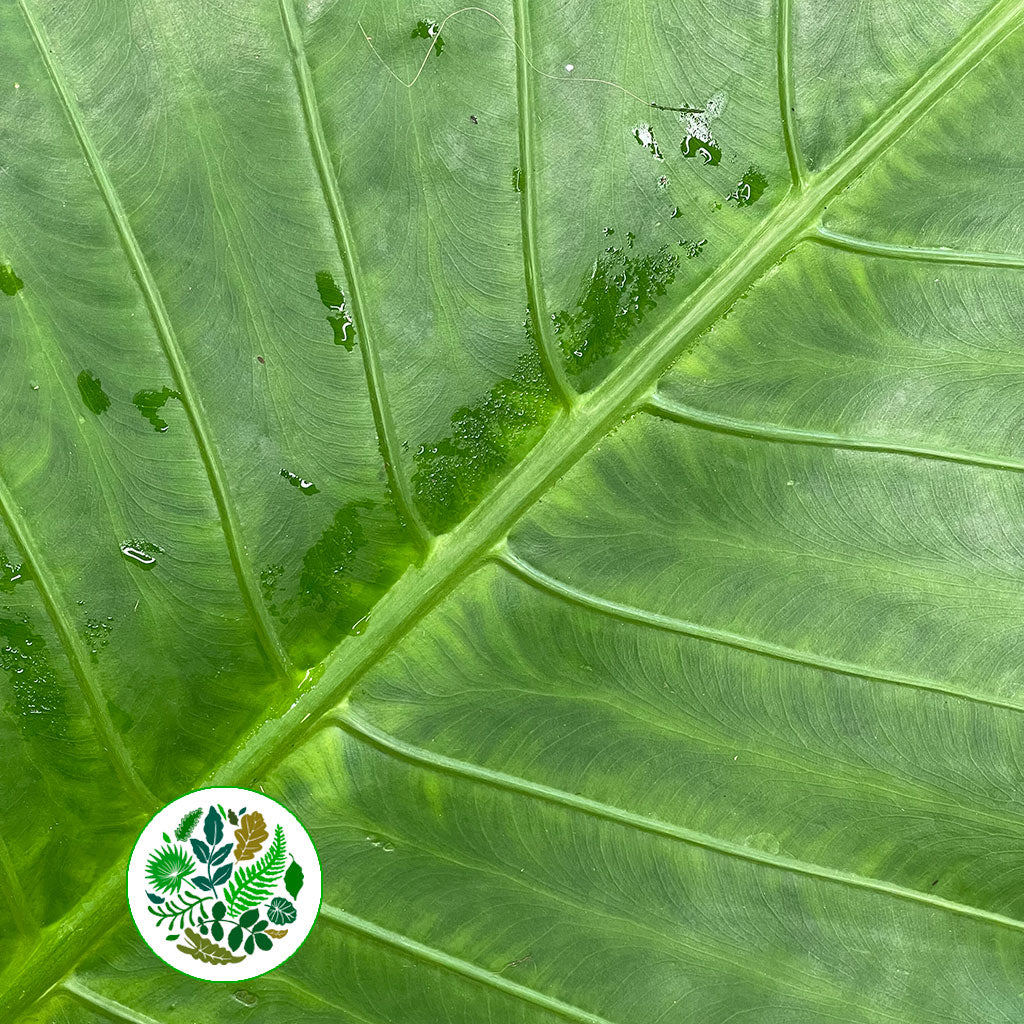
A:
x,y
168,867
187,824
215,900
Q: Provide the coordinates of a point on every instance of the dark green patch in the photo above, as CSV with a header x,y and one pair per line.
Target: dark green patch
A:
x,y
429,30
355,561
39,696
306,486
149,403
334,299
10,283
453,474
621,291
517,179
706,148
120,718
92,392
11,574
750,188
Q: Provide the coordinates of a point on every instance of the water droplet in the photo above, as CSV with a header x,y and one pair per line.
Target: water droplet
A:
x,y
358,628
306,486
245,997
141,552
93,395
644,135
570,67
10,283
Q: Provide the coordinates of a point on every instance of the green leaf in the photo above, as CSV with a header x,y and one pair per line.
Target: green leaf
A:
x,y
253,883
600,524
293,879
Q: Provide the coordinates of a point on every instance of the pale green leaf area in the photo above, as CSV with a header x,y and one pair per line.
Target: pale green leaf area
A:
x,y
602,526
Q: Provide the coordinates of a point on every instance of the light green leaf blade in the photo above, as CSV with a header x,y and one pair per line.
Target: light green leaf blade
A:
x,y
649,655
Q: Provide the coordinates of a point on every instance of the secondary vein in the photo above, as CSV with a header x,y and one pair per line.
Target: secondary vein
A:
x,y
919,254
787,102
111,740
265,631
379,403
417,950
668,409
752,645
422,757
550,352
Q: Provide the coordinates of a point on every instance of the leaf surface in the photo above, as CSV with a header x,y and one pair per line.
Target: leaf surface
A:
x,y
600,525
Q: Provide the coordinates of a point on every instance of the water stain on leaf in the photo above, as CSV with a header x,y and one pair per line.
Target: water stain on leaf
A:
x,y
621,290
39,696
10,283
149,403
427,29
699,140
452,474
306,486
93,395
749,189
644,135
334,299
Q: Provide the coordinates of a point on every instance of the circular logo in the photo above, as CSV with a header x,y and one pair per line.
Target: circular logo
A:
x,y
224,884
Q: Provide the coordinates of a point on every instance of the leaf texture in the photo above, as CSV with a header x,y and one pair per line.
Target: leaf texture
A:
x,y
598,522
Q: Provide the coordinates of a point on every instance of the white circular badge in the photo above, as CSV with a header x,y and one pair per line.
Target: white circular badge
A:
x,y
224,884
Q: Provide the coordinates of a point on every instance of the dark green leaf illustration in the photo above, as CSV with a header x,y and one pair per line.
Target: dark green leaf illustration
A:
x,y
255,882
232,817
259,926
222,874
250,944
207,950
218,910
293,879
201,850
235,937
248,918
213,826
216,930
262,940
281,911
201,882
187,824
168,867
153,898
221,854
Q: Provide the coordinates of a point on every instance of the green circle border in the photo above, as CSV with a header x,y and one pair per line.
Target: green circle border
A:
x,y
225,981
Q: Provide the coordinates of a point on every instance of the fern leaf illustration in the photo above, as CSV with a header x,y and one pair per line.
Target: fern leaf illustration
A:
x,y
188,824
254,883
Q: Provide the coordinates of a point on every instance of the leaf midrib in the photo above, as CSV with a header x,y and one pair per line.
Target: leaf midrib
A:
x,y
569,437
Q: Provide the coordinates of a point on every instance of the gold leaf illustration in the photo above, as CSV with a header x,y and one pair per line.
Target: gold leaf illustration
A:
x,y
277,933
207,950
251,835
